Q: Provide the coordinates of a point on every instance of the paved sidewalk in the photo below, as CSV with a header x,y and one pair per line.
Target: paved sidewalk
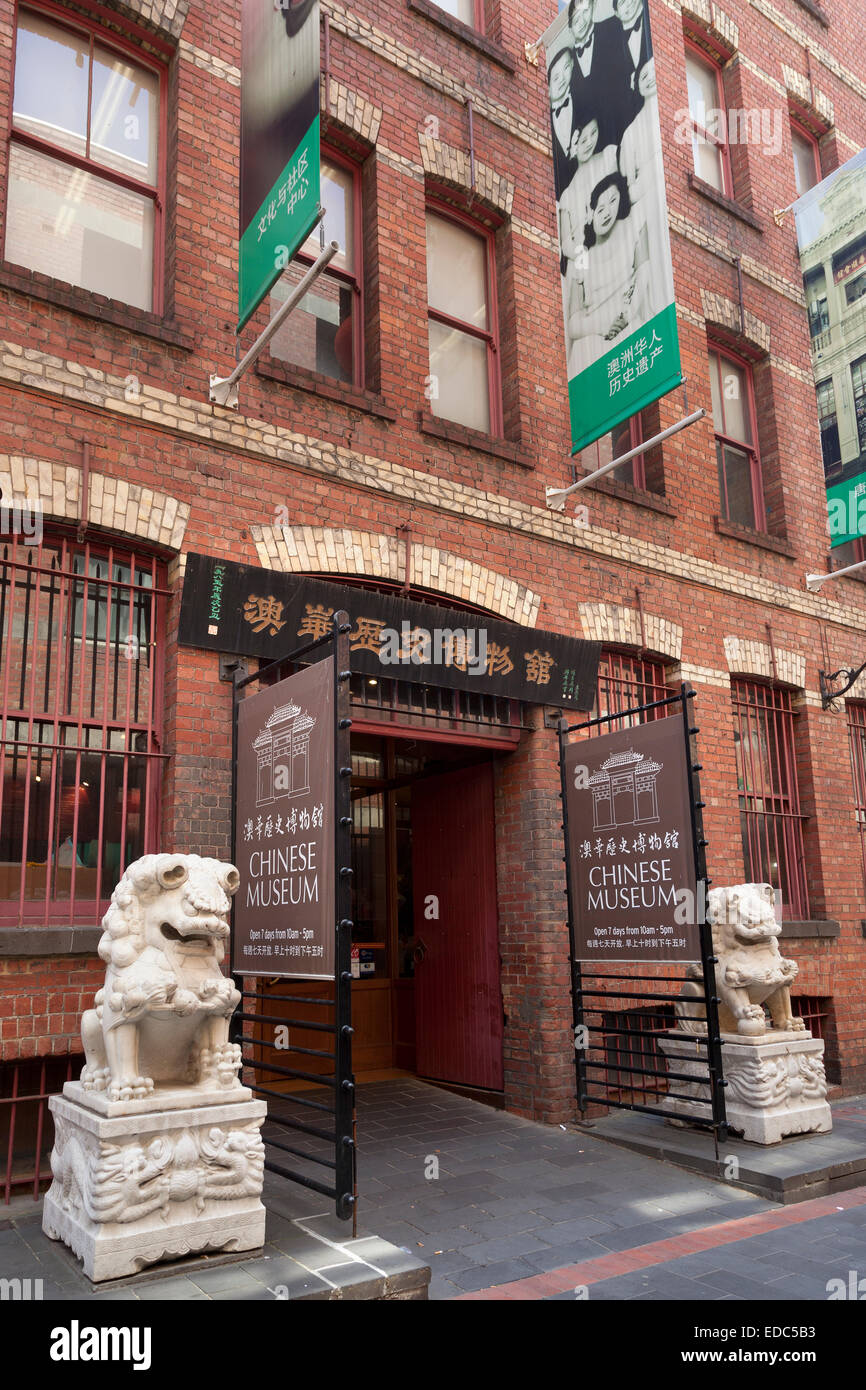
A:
x,y
500,1207
764,1257
515,1200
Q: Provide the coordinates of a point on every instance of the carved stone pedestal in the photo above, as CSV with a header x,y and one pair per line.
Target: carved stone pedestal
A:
x,y
776,1083
155,1183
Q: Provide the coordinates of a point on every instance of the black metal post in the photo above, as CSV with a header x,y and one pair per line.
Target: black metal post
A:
x,y
589,984
708,959
345,1087
341,1140
578,1027
236,1026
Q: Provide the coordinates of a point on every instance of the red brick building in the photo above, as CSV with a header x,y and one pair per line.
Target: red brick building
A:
x,y
118,285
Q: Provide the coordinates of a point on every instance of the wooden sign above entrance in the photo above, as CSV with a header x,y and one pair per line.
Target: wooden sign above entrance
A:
x,y
262,613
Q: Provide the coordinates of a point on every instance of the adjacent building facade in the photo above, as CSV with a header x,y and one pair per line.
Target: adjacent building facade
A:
x,y
399,435
834,273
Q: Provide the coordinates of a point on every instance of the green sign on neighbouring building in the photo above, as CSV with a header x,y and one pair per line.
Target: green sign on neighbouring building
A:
x,y
846,510
831,233
280,142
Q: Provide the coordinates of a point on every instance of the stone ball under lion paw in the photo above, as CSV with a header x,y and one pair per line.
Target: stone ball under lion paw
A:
x,y
184,1002
122,1089
752,1022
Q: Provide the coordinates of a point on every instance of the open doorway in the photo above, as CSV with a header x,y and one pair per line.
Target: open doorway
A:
x,y
426,992
426,996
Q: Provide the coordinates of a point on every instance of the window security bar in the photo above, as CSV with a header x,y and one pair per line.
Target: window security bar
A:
x,y
555,497
224,389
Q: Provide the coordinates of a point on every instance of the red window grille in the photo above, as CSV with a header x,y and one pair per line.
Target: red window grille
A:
x,y
771,821
630,1040
26,1125
624,681
818,1015
857,743
814,1012
81,652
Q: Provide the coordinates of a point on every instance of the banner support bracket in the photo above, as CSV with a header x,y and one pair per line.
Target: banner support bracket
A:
x,y
224,390
556,497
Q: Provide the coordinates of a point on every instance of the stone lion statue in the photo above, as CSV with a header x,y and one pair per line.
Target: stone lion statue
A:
x,y
751,970
163,1013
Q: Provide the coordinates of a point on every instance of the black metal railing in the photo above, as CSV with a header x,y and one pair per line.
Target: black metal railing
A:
x,y
322,1157
605,1072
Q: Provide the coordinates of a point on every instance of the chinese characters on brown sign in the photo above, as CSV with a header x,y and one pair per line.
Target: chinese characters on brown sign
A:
x,y
631,847
284,843
263,613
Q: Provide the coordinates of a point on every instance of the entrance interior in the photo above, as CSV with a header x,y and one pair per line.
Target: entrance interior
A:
x,y
426,994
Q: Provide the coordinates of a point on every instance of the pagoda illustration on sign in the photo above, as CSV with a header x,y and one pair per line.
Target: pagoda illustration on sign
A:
x,y
624,791
283,755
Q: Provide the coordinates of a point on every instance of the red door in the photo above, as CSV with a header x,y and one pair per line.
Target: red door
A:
x,y
458,1000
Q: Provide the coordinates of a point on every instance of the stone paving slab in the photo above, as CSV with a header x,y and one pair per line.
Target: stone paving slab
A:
x,y
513,1201
725,1266
796,1170
309,1258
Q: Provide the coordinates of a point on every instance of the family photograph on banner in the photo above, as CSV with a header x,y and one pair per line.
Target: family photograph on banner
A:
x,y
615,258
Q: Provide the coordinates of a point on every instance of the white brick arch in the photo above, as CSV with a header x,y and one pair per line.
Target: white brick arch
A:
x,y
343,551
614,625
750,658
166,15
125,509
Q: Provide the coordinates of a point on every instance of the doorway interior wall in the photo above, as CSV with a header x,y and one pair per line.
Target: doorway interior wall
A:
x,y
426,993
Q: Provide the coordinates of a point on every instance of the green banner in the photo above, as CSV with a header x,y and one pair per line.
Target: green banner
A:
x,y
281,225
631,376
846,508
280,159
